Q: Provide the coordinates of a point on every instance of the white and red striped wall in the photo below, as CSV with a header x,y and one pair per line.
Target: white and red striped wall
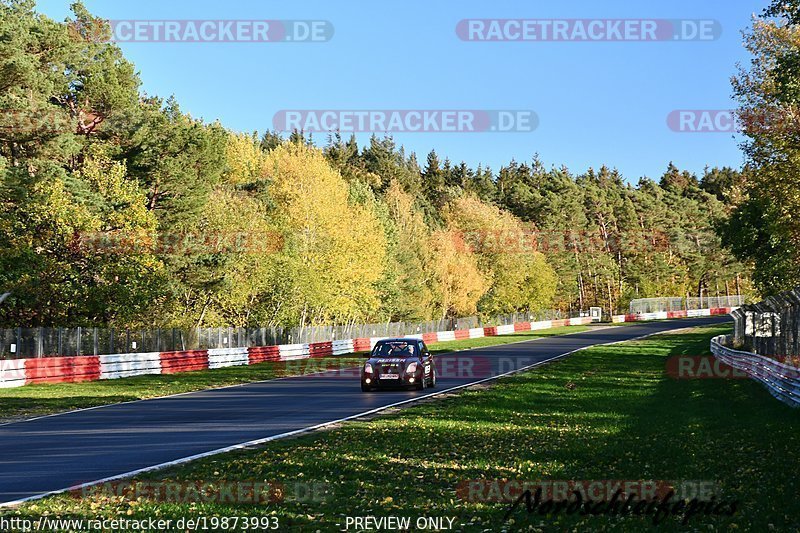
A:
x,y
663,315
18,372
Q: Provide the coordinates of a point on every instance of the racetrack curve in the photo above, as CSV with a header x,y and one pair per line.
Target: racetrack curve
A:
x,y
52,453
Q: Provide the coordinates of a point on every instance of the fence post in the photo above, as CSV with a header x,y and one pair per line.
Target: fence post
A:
x,y
79,346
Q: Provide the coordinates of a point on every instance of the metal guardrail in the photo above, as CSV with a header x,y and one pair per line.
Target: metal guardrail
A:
x,y
781,378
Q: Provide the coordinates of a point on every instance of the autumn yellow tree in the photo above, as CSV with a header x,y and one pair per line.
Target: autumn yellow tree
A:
x,y
520,278
410,250
239,245
458,282
335,251
246,162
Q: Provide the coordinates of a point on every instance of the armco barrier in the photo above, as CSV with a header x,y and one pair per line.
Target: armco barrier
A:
x,y
476,333
222,357
62,369
129,364
174,362
444,336
544,324
429,338
320,349
342,347
461,334
361,344
261,354
782,380
290,352
12,373
505,329
18,372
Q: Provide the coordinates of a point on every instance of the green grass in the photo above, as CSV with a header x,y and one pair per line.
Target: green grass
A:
x,y
41,399
604,413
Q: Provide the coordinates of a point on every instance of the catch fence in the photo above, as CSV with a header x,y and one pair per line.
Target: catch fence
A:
x,y
22,343
680,303
770,327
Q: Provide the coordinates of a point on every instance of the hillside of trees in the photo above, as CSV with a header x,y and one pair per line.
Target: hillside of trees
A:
x,y
117,208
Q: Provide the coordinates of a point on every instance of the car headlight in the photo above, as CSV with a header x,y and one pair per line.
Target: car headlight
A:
x,y
367,368
411,369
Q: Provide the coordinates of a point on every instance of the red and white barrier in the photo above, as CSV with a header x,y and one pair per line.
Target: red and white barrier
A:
x,y
445,336
223,357
12,373
476,333
505,329
290,352
62,369
261,354
18,372
125,365
183,361
342,347
663,315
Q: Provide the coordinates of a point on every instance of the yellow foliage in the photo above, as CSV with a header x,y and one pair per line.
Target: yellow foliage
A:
x,y
236,227
336,251
246,161
520,277
415,285
459,282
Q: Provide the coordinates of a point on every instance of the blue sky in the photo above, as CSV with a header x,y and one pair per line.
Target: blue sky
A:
x,y
597,102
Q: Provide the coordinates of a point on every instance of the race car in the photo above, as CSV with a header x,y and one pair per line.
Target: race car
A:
x,y
400,362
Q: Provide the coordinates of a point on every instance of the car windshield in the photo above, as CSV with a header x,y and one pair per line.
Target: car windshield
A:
x,y
394,349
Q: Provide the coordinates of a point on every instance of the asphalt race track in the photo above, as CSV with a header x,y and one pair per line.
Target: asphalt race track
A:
x,y
56,452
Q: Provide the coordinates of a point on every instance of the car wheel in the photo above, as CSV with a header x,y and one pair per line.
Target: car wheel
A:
x,y
432,383
421,383
365,388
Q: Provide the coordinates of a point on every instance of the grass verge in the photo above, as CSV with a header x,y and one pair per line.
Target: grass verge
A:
x,y
607,413
35,400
